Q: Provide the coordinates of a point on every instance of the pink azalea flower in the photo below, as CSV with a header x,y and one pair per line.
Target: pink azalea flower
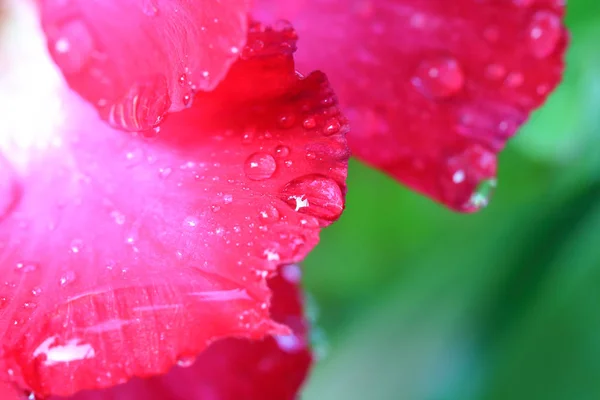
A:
x,y
162,165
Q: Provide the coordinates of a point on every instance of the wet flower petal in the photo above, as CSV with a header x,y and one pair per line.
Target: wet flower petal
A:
x,y
433,89
124,253
233,369
134,60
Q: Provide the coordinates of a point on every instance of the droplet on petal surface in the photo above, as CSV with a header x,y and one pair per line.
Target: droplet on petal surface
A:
x,y
260,166
141,108
150,8
316,195
282,151
469,180
544,32
73,46
482,195
439,77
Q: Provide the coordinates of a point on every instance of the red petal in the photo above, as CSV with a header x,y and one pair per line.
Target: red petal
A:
x,y
137,59
433,89
124,253
233,369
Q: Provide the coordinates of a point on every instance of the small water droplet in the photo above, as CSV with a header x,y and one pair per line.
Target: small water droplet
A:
x,y
36,291
182,79
282,151
185,361
164,172
482,195
544,32
26,266
150,8
73,45
332,126
465,171
62,45
495,72
439,77
67,278
286,120
191,221
260,166
76,246
514,80
269,213
458,176
315,195
118,217
187,99
227,198
309,123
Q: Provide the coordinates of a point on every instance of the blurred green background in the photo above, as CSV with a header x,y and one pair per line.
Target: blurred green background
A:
x,y
415,302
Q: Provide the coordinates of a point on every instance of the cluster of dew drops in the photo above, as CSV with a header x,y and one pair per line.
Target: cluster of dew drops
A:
x,y
442,77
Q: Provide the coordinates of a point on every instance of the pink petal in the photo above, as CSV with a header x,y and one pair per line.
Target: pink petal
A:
x,y
134,60
433,88
233,369
123,253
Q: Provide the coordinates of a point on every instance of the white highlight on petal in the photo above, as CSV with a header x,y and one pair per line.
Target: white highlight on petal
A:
x,y
301,202
73,350
271,255
30,84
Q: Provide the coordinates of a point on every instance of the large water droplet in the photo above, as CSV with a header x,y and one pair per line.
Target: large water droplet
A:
x,y
67,278
142,108
544,32
439,77
260,166
315,195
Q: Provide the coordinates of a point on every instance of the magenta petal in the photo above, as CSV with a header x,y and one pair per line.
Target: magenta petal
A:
x,y
134,60
122,254
234,369
432,88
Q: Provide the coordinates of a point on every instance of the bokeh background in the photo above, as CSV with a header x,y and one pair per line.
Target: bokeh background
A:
x,y
415,302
